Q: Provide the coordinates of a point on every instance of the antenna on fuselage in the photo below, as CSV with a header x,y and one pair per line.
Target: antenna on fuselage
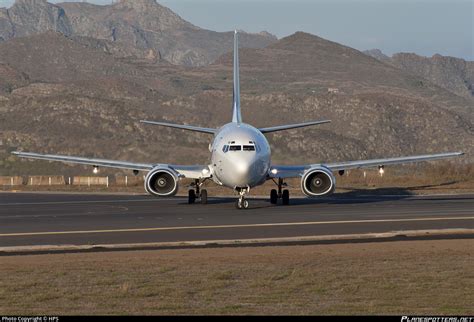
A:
x,y
236,115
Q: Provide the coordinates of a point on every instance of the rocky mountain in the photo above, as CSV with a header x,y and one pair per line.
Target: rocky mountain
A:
x,y
377,54
82,99
133,28
29,17
453,74
71,61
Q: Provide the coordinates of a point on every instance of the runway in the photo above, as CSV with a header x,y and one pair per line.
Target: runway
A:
x,y
28,219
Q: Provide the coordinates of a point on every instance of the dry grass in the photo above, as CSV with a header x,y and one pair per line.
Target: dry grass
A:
x,y
439,177
425,277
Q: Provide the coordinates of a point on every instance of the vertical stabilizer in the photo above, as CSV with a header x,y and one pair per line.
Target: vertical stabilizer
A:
x,y
236,116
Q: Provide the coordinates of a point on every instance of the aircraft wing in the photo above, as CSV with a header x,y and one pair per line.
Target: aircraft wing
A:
x,y
193,171
298,170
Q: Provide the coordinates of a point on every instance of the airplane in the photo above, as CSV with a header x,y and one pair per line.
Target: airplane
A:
x,y
240,160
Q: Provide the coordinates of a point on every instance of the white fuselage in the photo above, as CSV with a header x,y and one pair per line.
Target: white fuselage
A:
x,y
240,156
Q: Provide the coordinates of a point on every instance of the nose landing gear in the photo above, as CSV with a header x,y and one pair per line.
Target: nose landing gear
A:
x,y
242,203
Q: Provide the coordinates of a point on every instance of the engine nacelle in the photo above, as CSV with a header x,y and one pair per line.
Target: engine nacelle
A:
x,y
318,181
162,182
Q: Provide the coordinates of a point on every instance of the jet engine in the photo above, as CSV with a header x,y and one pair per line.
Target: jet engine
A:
x,y
162,182
318,181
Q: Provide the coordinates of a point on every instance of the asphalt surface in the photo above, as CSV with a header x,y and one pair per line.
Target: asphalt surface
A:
x,y
79,219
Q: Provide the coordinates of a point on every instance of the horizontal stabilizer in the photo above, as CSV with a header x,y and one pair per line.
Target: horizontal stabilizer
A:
x,y
291,126
183,127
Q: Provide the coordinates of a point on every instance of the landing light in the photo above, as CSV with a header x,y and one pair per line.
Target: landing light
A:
x,y
95,170
381,170
205,171
274,171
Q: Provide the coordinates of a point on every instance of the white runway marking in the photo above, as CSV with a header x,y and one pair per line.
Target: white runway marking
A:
x,y
235,226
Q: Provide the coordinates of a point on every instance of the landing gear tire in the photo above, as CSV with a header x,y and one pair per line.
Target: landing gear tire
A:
x,y
203,196
242,204
191,196
273,197
285,198
277,194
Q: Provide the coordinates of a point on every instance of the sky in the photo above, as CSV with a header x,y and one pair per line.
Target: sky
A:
x,y
425,27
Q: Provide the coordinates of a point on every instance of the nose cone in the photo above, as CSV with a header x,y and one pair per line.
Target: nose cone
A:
x,y
242,167
241,171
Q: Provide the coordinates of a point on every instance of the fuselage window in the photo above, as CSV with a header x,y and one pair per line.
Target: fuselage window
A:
x,y
225,148
235,148
249,147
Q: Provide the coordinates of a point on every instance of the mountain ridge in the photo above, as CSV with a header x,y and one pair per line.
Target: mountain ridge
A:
x,y
141,28
451,73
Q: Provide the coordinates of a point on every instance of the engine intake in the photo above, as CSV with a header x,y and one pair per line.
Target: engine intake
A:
x,y
318,182
162,182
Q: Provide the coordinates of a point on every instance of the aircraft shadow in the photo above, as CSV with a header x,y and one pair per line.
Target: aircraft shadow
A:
x,y
355,196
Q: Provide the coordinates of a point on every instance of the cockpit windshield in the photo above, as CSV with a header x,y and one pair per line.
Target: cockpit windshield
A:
x,y
234,147
249,147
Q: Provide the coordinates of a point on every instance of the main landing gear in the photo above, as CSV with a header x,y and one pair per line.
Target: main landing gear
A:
x,y
283,194
197,193
242,203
